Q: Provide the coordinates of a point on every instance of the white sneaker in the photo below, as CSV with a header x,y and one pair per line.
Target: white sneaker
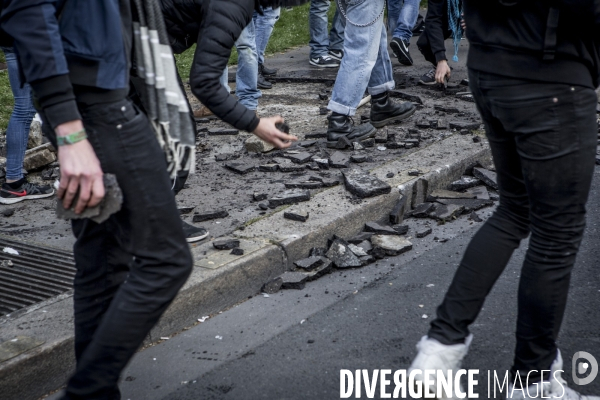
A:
x,y
555,389
434,355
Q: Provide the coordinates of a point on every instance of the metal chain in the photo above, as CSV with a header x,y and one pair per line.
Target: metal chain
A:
x,y
354,23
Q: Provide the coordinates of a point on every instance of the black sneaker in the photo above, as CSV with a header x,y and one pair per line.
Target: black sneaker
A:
x,y
262,83
22,190
266,71
193,233
324,62
429,78
343,125
336,54
400,49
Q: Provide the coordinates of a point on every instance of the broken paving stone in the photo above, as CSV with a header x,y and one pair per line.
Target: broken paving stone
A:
x,y
359,252
38,157
358,158
293,280
365,245
300,158
459,125
209,215
397,213
263,206
323,163
423,123
423,231
488,177
307,143
476,139
316,135
323,111
366,260
378,229
289,197
395,145
390,245
273,286
323,269
422,210
389,175
494,195
446,213
254,144
259,196
222,132
310,263
361,237
297,215
401,229
303,185
110,203
415,172
363,184
318,252
339,160
226,244
448,194
289,167
479,192
341,255
440,124
240,168
449,110
468,204
8,212
408,143
464,183
331,182
342,143
368,142
475,217
185,209
237,251
381,136
357,146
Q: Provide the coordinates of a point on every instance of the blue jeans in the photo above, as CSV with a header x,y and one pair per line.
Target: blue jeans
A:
x,y
263,26
320,43
17,132
247,70
402,17
366,62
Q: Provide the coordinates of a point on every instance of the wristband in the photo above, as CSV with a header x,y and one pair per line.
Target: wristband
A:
x,y
72,138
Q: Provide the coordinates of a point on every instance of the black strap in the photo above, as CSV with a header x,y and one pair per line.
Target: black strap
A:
x,y
550,37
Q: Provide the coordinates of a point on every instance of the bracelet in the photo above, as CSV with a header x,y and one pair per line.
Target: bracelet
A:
x,y
72,138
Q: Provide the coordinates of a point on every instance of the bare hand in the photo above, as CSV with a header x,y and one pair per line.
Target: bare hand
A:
x,y
80,171
267,131
442,72
463,24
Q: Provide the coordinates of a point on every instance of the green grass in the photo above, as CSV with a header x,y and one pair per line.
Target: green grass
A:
x,y
290,31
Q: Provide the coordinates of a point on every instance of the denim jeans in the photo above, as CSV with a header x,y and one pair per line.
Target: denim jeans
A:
x,y
366,62
247,70
130,267
17,132
543,141
320,43
263,27
402,17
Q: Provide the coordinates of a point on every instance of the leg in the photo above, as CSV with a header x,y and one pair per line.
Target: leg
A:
x,y
146,236
394,7
17,132
263,25
382,77
317,25
407,18
425,48
361,49
247,71
336,34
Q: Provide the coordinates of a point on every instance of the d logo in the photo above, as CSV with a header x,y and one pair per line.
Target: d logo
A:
x,y
590,364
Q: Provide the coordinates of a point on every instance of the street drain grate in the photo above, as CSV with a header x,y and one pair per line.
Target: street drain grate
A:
x,y
35,274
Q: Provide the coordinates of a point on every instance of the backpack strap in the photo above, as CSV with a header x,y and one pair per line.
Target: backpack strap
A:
x,y
550,37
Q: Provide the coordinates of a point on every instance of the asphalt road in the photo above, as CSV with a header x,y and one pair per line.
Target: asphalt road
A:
x,y
292,345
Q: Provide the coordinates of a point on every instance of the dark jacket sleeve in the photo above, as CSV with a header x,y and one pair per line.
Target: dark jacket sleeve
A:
x,y
37,40
436,26
222,25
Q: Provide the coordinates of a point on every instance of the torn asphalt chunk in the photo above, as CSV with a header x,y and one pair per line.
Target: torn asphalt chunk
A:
x,y
293,280
272,286
363,184
390,245
339,160
310,263
289,197
341,255
296,215
464,183
486,176
378,229
397,214
240,168
208,215
226,244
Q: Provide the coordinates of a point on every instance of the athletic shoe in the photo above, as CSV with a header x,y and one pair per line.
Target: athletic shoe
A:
x,y
22,190
262,83
324,62
429,78
400,48
385,111
433,355
193,233
336,54
266,71
556,388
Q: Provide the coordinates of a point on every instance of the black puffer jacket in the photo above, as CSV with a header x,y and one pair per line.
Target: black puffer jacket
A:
x,y
214,25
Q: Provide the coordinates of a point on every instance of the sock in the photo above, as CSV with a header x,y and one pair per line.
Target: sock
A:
x,y
16,184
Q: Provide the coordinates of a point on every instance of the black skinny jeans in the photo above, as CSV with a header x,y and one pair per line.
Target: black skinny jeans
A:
x,y
130,267
543,141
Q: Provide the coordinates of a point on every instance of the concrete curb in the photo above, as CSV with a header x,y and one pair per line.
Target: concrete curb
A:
x,y
221,280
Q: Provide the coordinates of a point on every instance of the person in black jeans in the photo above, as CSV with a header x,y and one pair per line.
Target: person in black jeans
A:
x,y
538,104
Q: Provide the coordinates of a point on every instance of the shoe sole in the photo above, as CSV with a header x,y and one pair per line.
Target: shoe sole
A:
x,y
264,87
14,200
323,66
400,54
427,83
402,117
197,238
367,135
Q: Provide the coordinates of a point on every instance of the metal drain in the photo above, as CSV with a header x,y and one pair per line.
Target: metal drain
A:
x,y
33,275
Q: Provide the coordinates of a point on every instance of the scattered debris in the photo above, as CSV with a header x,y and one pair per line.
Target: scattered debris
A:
x,y
289,197
268,167
446,213
226,244
342,143
368,142
422,210
397,213
479,192
448,194
381,136
464,183
300,158
9,212
110,203
10,250
39,156
310,263
254,144
486,176
358,158
468,204
296,215
342,256
401,229
378,229
339,160
186,209
449,110
259,196
423,231
210,215
240,168
358,251
222,132
361,237
475,217
237,251
386,245
272,286
459,125
293,280
363,184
